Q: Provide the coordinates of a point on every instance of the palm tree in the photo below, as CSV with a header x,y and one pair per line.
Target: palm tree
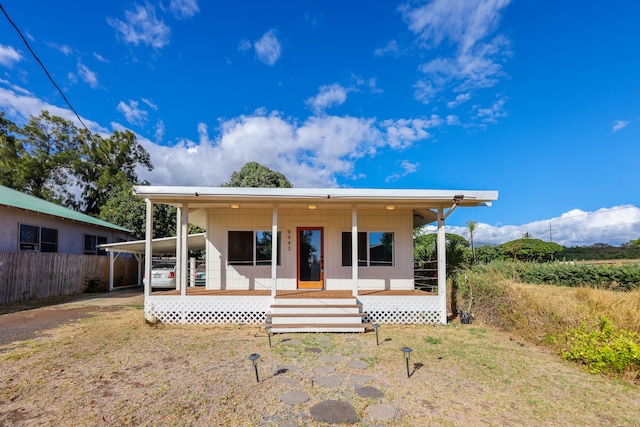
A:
x,y
472,225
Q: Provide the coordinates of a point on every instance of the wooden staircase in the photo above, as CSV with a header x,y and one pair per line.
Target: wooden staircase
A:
x,y
316,314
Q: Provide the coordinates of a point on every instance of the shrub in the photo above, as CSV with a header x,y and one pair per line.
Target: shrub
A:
x,y
603,348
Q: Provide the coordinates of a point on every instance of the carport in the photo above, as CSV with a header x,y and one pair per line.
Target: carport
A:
x,y
164,245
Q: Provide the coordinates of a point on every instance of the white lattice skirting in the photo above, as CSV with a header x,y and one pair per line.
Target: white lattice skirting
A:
x,y
208,310
401,309
254,309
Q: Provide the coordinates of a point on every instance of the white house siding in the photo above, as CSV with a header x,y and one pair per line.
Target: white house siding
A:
x,y
334,220
70,233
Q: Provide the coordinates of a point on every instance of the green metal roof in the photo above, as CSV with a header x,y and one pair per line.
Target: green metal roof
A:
x,y
16,199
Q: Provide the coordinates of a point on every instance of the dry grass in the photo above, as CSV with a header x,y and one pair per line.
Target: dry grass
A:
x,y
116,370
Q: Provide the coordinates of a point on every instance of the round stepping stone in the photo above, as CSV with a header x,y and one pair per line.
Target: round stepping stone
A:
x,y
369,392
289,381
328,382
283,369
351,340
291,341
382,412
357,364
313,350
334,412
290,353
294,397
361,356
328,358
324,369
359,379
323,338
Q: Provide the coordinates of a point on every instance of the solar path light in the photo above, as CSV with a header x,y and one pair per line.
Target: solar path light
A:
x,y
254,359
269,334
376,326
407,354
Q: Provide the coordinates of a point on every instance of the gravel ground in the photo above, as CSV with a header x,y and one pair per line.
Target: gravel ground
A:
x,y
113,369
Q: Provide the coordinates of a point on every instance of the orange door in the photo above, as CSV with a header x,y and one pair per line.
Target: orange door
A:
x,y
310,258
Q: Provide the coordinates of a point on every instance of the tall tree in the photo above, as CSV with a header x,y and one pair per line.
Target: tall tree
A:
x,y
40,157
471,226
253,174
127,210
106,164
9,149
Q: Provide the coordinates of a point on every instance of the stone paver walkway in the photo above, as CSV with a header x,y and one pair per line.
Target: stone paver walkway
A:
x,y
324,380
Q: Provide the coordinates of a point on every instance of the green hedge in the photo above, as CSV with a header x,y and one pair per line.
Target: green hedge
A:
x,y
618,277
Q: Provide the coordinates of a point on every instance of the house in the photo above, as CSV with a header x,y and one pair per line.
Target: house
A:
x,y
48,250
288,256
30,224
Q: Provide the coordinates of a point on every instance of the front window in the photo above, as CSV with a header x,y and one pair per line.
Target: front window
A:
x,y
375,249
252,248
91,243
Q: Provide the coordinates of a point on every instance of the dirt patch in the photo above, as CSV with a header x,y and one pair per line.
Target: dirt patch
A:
x,y
114,369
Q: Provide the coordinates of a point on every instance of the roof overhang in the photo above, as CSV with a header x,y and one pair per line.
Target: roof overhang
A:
x,y
163,245
420,201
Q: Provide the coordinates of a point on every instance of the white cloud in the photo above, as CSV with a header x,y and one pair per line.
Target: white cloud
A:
x,y
88,76
491,114
328,96
453,120
100,57
460,99
407,169
159,133
142,26
150,104
468,26
614,226
65,49
132,113
402,133
619,125
183,9
9,56
19,106
390,48
268,48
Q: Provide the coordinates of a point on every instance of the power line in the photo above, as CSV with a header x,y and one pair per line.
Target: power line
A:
x,y
46,71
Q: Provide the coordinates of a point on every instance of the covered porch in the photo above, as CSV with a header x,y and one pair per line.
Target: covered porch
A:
x,y
354,277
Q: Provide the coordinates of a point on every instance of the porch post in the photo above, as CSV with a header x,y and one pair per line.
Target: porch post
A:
x,y
111,261
354,249
274,250
442,267
178,272
148,250
184,248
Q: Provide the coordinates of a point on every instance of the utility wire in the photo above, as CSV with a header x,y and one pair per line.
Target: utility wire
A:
x,y
46,71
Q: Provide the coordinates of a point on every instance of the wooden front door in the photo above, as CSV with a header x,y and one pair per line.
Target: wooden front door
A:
x,y
310,258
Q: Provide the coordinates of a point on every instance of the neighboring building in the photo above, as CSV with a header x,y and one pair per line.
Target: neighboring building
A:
x,y
287,256
30,224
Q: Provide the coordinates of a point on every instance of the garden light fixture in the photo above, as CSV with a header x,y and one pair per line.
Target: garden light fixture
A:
x,y
376,326
407,355
254,359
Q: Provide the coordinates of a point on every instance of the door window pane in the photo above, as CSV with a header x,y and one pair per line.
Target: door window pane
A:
x,y
310,244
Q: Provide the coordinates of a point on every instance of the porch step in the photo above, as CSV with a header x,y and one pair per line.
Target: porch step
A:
x,y
313,314
328,308
305,327
316,318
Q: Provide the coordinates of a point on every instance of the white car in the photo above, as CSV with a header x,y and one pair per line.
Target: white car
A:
x,y
163,275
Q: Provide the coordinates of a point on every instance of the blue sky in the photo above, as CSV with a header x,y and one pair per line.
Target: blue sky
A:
x,y
537,99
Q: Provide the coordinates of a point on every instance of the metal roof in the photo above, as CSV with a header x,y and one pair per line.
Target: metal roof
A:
x,y
163,245
17,199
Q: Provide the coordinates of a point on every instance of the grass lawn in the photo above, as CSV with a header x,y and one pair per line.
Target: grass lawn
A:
x,y
116,370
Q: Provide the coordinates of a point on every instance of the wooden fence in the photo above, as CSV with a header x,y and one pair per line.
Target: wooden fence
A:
x,y
34,275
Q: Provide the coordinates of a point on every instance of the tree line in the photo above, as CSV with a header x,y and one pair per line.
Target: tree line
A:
x,y
50,158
